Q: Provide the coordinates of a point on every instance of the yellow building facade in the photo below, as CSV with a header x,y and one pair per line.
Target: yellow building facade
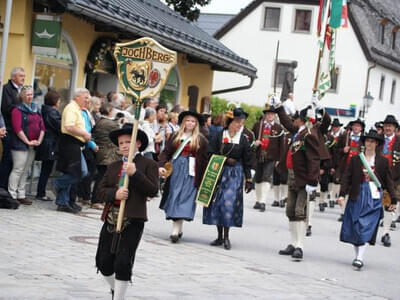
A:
x,y
67,71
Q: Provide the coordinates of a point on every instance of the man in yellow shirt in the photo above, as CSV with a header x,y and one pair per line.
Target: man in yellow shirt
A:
x,y
71,161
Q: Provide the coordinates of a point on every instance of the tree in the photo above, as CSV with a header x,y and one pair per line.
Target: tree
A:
x,y
188,8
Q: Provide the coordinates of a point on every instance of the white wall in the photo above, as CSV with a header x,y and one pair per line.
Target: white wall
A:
x,y
248,40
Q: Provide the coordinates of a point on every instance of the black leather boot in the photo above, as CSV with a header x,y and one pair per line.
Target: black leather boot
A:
x,y
288,251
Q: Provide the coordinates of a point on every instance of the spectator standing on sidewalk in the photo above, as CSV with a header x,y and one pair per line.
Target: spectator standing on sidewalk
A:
x,y
9,101
28,132
47,152
71,161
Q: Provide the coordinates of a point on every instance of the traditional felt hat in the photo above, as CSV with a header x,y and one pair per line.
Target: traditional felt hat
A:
x,y
390,119
372,134
305,113
336,123
358,121
379,125
238,112
269,108
127,128
192,113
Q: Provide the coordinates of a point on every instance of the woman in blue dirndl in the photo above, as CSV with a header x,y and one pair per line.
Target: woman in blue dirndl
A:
x,y
226,208
187,149
364,180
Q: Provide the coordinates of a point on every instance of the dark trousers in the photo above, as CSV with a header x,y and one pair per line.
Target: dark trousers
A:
x,y
280,178
264,171
84,187
296,207
45,171
324,180
6,164
101,170
120,263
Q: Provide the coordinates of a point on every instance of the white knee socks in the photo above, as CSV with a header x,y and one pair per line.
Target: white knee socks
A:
x,y
323,196
387,221
277,193
120,289
301,234
310,212
110,280
177,227
361,251
265,187
293,233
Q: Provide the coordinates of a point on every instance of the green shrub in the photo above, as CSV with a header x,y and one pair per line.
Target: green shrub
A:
x,y
219,105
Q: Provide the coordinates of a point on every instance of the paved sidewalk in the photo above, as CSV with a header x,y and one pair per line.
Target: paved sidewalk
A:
x,y
45,254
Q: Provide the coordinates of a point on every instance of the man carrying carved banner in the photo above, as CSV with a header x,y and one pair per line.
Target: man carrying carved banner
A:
x,y
142,67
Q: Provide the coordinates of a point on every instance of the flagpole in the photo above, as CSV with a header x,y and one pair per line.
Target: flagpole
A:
x,y
321,49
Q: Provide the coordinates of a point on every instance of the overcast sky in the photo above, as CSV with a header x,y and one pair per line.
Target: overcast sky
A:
x,y
225,6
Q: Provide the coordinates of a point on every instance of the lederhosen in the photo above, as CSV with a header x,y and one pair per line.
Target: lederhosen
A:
x,y
120,263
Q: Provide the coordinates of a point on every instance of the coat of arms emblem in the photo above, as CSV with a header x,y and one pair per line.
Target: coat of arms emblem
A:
x,y
143,67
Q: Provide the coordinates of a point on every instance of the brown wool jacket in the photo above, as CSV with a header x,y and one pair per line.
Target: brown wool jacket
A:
x,y
143,184
275,143
343,141
352,177
396,160
306,162
320,129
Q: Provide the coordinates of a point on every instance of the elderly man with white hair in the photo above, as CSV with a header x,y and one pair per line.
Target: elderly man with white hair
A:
x,y
119,103
71,161
9,100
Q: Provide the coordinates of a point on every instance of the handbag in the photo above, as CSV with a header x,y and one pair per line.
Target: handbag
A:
x,y
386,199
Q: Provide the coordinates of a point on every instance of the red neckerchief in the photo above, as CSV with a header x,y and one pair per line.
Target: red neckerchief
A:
x,y
265,137
389,153
352,152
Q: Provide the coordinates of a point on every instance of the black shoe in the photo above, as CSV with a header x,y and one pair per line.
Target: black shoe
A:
x,y
75,206
321,207
257,205
180,235
275,203
357,264
282,203
297,253
262,207
308,232
288,251
174,238
217,242
398,219
331,203
393,225
340,218
325,204
67,208
386,240
227,244
43,198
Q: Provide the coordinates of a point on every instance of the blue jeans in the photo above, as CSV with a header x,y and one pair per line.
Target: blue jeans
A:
x,y
65,182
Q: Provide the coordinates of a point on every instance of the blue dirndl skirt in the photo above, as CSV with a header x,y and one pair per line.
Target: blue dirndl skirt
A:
x,y
226,209
180,203
361,218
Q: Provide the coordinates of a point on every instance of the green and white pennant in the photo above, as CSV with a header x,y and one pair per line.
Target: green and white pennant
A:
x,y
325,77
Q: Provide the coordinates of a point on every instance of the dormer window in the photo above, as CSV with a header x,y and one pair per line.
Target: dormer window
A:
x,y
382,31
394,34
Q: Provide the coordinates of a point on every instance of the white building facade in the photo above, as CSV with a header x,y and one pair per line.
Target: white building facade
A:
x,y
256,30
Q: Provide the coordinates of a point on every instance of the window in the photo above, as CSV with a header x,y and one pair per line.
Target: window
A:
x,y
393,92
334,80
282,68
382,87
382,31
394,39
272,18
170,94
302,21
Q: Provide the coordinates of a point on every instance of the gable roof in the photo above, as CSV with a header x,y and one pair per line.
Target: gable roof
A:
x,y
252,6
365,17
154,19
211,23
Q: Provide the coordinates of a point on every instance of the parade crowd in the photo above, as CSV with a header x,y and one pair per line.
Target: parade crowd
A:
x,y
303,157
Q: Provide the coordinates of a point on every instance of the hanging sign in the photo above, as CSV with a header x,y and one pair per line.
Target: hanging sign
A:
x,y
46,35
143,67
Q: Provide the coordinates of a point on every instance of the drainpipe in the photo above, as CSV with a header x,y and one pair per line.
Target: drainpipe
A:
x,y
4,43
366,88
239,88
